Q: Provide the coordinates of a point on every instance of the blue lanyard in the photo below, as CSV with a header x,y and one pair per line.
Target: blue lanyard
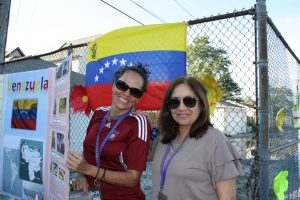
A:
x,y
163,167
98,150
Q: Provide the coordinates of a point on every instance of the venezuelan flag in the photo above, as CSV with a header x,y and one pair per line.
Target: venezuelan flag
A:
x,y
162,47
24,114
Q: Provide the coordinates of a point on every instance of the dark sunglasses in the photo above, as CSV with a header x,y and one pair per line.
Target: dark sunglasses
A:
x,y
121,85
189,102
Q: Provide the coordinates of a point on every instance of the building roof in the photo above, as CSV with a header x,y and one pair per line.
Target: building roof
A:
x,y
17,53
229,103
13,54
80,41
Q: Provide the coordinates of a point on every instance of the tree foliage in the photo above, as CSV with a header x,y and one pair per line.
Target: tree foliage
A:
x,y
203,59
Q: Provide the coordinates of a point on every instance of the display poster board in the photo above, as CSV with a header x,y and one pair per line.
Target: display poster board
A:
x,y
34,133
25,125
2,80
59,129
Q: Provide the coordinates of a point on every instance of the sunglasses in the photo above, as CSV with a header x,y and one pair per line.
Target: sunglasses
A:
x,y
189,102
121,85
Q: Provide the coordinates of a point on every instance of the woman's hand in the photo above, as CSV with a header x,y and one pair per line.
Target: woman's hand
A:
x,y
81,184
78,163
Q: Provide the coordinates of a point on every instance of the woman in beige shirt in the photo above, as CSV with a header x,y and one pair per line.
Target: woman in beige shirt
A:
x,y
192,160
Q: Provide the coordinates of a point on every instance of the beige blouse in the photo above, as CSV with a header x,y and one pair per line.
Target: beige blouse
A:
x,y
195,169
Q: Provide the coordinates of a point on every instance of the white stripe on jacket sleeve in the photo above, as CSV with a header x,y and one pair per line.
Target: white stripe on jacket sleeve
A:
x,y
142,127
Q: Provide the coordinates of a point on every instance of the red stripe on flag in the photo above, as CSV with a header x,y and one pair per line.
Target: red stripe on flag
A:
x,y
101,95
23,124
153,98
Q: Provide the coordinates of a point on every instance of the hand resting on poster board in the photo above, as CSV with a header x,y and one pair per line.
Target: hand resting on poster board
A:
x,y
76,162
81,184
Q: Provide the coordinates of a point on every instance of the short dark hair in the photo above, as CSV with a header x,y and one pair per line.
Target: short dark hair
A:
x,y
138,68
169,127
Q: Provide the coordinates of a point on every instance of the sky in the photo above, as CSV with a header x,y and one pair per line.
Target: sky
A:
x,y
41,26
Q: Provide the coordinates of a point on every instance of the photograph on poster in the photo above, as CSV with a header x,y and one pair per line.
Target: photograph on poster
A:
x,y
32,191
61,174
54,168
54,107
31,161
53,141
24,114
11,182
65,65
58,72
62,105
60,144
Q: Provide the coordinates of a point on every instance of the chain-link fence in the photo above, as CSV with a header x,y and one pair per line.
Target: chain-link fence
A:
x,y
223,46
231,43
283,70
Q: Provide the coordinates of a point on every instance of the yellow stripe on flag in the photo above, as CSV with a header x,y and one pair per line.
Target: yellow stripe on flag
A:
x,y
139,38
25,104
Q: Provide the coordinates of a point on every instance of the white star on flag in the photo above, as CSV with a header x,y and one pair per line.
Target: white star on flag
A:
x,y
96,78
114,61
101,70
107,64
122,62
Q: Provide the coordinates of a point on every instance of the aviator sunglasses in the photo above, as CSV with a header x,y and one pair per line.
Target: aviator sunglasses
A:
x,y
189,102
121,85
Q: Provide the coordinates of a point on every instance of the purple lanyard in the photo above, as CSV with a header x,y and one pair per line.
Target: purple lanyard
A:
x,y
163,167
98,150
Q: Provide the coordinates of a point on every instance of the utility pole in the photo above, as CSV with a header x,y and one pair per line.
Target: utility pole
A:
x,y
4,19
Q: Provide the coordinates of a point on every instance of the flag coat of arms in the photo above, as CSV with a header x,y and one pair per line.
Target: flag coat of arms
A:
x,y
162,47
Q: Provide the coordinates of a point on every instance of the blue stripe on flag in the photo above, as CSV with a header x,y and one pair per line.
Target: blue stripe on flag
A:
x,y
23,114
163,65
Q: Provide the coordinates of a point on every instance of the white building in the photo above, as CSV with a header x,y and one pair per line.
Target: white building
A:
x,y
235,120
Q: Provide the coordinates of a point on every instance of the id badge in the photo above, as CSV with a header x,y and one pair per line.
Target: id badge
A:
x,y
95,195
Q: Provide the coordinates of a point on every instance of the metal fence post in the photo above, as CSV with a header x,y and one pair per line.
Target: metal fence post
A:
x,y
70,50
263,100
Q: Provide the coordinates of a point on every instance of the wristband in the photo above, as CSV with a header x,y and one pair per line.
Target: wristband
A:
x,y
97,173
96,181
103,176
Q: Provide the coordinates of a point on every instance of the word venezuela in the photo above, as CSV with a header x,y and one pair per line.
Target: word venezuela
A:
x,y
28,86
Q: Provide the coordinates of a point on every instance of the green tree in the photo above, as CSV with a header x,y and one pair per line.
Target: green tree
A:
x,y
203,59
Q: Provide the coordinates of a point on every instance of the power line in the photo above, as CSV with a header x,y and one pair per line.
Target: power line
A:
x,y
184,9
122,12
33,11
148,11
17,20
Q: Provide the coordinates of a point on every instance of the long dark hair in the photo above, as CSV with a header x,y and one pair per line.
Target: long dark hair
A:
x,y
169,127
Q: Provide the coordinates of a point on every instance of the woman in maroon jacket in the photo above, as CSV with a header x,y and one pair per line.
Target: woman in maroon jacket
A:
x,y
117,141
